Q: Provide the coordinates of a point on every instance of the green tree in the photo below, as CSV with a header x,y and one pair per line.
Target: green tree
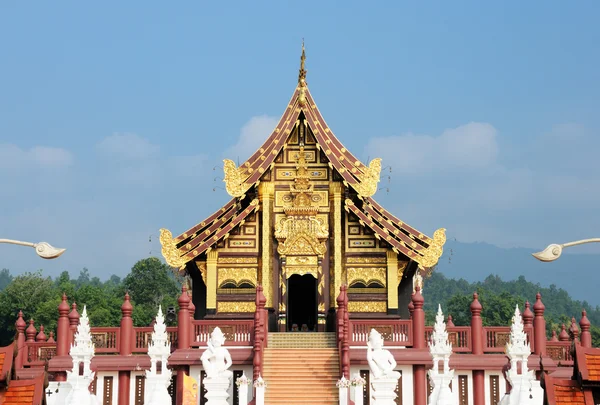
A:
x,y
150,283
5,278
31,293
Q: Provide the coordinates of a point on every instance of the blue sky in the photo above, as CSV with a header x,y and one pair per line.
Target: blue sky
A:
x,y
115,115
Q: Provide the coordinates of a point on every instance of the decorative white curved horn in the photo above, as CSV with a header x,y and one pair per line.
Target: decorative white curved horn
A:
x,y
553,251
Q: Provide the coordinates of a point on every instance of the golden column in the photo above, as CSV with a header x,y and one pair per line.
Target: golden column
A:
x,y
336,192
211,279
266,191
392,279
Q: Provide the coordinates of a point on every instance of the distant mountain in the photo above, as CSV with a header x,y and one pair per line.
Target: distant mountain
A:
x,y
578,274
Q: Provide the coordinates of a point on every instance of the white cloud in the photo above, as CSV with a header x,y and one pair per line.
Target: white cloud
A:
x,y
128,146
470,146
13,157
252,135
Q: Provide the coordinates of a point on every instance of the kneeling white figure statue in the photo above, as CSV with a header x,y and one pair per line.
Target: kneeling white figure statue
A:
x,y
381,364
216,361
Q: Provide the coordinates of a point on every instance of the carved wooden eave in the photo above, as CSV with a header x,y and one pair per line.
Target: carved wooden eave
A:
x,y
186,247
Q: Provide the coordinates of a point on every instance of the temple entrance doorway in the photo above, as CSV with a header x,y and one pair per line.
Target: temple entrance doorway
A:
x,y
302,303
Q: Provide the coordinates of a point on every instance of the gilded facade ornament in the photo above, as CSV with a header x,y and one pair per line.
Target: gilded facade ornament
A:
x,y
240,306
266,190
366,260
367,306
169,250
369,179
237,275
237,260
235,178
434,251
336,192
211,279
366,275
401,268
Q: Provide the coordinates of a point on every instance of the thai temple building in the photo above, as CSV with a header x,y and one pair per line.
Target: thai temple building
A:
x,y
306,275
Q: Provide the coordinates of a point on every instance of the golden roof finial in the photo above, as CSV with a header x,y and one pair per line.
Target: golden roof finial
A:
x,y
302,73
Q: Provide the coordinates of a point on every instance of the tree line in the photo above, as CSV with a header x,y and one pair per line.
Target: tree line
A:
x,y
151,282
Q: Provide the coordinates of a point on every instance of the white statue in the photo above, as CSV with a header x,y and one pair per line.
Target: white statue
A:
x,y
216,360
525,389
82,351
441,349
417,282
159,349
381,362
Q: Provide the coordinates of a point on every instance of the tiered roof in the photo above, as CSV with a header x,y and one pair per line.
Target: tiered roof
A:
x,y
362,178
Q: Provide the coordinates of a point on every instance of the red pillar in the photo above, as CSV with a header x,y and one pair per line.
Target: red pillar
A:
x,y
339,318
477,348
126,342
183,337
418,322
539,326
73,322
20,326
346,334
62,332
586,336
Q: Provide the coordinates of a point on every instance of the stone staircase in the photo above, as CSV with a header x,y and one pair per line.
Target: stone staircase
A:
x,y
301,368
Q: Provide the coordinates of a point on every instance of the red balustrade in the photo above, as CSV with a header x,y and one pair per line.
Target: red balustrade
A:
x,y
237,333
560,352
395,333
38,353
496,338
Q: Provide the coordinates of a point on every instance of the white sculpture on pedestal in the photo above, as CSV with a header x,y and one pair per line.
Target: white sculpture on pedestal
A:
x,y
381,363
216,360
81,376
525,389
158,379
441,349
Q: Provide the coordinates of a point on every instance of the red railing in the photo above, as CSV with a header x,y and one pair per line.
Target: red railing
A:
x,y
395,333
560,352
459,336
106,339
237,333
496,338
38,353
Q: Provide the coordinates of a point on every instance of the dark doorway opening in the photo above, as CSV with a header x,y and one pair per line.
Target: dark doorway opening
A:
x,y
302,303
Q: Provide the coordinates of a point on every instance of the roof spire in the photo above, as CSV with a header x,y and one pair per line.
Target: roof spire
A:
x,y
302,73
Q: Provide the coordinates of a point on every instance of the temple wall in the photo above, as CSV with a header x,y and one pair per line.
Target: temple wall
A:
x,y
100,382
501,389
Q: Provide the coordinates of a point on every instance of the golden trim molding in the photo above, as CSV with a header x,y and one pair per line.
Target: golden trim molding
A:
x,y
233,306
367,306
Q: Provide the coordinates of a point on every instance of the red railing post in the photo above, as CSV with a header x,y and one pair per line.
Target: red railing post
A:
x,y
259,331
574,331
477,348
192,310
62,335
127,343
563,336
41,337
345,333
21,348
73,322
418,319
183,337
586,336
539,326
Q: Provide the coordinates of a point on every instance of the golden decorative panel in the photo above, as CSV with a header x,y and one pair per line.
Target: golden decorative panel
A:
x,y
319,198
366,275
301,261
266,194
231,306
353,230
366,260
249,230
237,260
309,155
361,243
237,275
242,243
367,306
